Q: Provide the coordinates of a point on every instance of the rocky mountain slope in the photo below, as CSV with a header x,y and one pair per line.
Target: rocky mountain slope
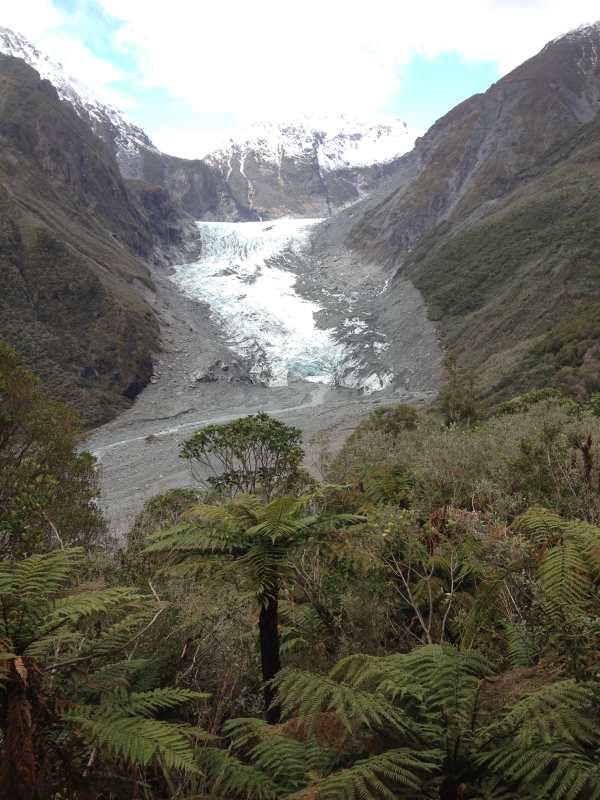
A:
x,y
74,289
307,168
494,216
200,190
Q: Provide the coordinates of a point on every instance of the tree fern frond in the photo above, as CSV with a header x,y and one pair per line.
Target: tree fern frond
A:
x,y
39,575
540,526
558,711
308,694
482,610
386,776
230,777
286,759
146,704
75,607
563,577
554,771
520,645
114,676
137,740
118,636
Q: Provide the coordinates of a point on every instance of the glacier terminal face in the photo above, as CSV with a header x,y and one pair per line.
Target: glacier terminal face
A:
x,y
242,276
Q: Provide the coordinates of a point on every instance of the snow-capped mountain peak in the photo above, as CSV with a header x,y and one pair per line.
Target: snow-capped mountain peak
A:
x,y
107,122
339,141
308,167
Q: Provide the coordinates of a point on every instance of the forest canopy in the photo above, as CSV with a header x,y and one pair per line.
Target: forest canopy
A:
x,y
423,622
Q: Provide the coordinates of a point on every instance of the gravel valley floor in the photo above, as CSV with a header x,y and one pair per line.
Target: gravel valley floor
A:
x,y
138,452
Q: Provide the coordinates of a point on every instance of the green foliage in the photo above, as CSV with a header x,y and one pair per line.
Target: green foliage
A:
x,y
458,398
67,680
253,454
522,404
46,488
393,420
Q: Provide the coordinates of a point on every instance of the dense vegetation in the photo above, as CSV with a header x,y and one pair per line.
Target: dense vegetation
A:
x,y
515,293
425,624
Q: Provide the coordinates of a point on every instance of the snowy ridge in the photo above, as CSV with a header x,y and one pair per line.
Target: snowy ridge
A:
x,y
339,142
581,31
106,121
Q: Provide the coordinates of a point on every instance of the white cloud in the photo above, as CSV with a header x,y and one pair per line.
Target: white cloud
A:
x,y
280,57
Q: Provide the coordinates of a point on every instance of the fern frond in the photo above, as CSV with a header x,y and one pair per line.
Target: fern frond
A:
x,y
149,703
554,771
230,777
114,676
389,775
307,694
118,636
520,646
39,575
78,606
136,740
287,760
563,577
558,711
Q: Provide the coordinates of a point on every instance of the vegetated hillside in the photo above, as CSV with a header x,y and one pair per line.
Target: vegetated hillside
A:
x,y
494,216
517,293
72,282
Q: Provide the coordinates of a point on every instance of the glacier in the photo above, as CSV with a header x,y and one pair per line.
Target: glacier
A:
x,y
242,277
255,303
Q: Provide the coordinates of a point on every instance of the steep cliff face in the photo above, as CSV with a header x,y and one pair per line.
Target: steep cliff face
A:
x,y
73,285
495,218
197,187
310,167
478,152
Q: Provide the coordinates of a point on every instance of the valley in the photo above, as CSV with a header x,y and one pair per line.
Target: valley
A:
x,y
262,321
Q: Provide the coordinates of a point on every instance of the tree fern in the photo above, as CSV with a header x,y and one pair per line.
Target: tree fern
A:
x,y
394,774
521,648
286,759
56,645
563,577
308,695
136,740
254,541
229,776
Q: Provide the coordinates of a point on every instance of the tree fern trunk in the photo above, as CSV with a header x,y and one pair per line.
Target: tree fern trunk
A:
x,y
449,790
269,654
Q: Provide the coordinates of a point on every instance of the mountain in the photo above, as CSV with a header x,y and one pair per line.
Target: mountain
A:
x,y
200,190
309,167
495,218
75,289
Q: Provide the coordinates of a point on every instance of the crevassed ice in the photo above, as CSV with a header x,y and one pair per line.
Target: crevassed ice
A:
x,y
255,303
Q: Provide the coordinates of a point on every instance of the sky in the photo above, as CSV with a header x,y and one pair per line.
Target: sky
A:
x,y
184,70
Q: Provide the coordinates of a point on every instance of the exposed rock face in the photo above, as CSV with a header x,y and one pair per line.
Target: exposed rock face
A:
x,y
73,287
495,216
478,152
311,167
199,189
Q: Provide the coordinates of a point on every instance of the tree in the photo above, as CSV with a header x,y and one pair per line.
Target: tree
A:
x,y
68,708
413,725
256,540
251,455
47,488
458,399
